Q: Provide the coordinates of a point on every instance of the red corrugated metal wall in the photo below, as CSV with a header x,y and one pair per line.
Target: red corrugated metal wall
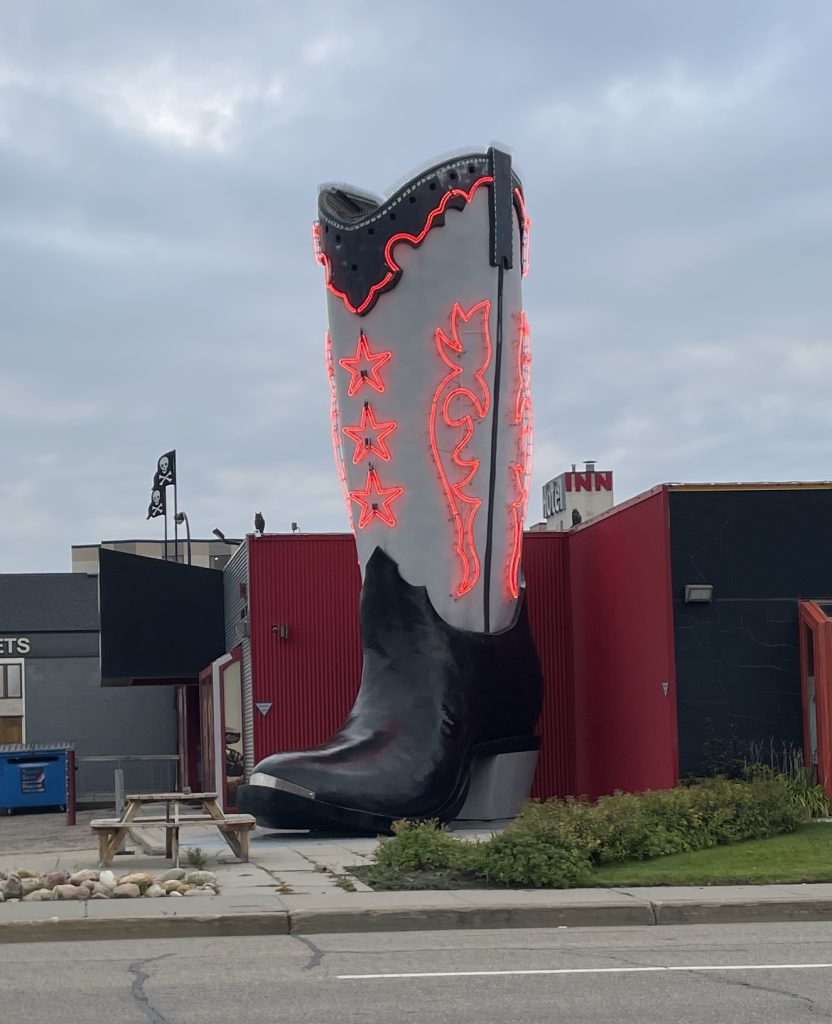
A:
x,y
546,568
311,584
623,649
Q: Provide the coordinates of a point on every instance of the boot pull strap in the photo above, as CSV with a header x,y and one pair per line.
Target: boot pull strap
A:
x,y
501,234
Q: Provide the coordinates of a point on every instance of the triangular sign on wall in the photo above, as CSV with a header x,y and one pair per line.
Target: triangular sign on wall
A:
x,y
265,708
665,688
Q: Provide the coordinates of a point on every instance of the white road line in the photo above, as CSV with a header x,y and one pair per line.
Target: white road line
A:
x,y
589,970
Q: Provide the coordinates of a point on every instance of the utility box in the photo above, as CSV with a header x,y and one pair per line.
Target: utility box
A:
x,y
33,775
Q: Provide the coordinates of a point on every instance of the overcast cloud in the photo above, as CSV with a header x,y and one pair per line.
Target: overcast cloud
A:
x,y
158,172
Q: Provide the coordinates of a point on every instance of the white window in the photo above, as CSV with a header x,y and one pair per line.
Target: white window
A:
x,y
11,681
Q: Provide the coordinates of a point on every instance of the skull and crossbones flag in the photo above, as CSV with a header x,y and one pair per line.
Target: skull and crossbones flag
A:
x,y
157,504
165,471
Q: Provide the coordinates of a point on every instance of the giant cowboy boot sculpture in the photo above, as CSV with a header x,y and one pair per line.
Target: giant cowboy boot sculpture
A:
x,y
428,359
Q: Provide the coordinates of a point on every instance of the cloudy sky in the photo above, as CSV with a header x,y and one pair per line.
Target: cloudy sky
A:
x,y
158,169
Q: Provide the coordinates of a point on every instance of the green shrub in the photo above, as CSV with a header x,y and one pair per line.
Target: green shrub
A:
x,y
627,826
555,844
419,846
520,859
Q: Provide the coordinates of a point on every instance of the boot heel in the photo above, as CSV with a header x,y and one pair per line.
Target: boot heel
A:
x,y
501,778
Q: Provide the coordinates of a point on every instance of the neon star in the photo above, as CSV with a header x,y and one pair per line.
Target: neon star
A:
x,y
369,436
365,374
375,501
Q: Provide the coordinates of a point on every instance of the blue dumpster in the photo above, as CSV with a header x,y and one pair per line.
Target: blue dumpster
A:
x,y
33,775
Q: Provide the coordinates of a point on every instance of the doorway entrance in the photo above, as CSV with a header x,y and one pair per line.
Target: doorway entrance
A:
x,y
222,727
816,686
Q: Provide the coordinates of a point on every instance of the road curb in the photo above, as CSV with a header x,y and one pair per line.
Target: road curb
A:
x,y
438,918
164,927
634,913
741,911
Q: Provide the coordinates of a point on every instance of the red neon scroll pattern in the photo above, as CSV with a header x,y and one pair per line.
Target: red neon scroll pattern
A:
x,y
393,269
456,469
337,448
521,469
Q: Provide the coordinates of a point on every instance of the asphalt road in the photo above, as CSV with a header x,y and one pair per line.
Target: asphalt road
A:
x,y
591,975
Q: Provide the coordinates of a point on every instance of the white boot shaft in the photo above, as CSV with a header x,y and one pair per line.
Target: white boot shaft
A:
x,y
428,354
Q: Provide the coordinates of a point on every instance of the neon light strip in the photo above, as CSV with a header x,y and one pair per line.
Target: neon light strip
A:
x,y
337,449
376,510
393,268
363,355
363,444
442,398
521,470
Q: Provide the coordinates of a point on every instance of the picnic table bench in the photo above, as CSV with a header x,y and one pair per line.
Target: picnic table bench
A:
x,y
234,828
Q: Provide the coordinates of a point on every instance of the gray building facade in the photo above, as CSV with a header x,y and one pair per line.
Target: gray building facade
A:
x,y
50,688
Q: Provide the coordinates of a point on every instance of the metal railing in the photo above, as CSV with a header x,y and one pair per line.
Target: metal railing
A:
x,y
143,773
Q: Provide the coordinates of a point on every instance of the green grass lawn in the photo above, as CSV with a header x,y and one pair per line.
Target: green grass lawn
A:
x,y
803,856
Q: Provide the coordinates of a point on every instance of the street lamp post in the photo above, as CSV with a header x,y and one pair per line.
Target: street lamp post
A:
x,y
181,517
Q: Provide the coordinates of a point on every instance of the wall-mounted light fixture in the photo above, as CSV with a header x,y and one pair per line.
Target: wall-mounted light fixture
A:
x,y
282,631
699,593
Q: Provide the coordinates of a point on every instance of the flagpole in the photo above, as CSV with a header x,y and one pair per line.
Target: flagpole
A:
x,y
166,531
175,522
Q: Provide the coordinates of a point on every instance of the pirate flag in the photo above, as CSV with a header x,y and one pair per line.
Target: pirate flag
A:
x,y
165,471
157,503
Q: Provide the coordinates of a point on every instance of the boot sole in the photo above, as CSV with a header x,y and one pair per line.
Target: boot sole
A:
x,y
280,810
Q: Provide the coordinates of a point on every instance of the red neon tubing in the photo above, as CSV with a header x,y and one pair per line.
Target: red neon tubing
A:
x,y
363,444
442,398
337,448
520,471
393,267
371,509
361,377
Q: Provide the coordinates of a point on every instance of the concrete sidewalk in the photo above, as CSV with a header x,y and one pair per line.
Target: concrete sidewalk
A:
x,y
298,884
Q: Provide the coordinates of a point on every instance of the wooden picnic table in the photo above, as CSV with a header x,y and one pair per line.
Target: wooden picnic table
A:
x,y
234,828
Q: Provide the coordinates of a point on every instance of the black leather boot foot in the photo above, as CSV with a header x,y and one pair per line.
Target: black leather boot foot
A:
x,y
432,699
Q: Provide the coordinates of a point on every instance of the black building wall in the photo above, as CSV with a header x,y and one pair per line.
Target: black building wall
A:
x,y
63,696
737,658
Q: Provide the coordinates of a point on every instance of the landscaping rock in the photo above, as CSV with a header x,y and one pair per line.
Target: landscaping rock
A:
x,y
38,896
174,893
171,885
101,896
108,879
2,898
29,884
53,878
154,891
140,878
195,892
12,888
199,877
86,875
26,873
69,892
172,874
126,891
100,889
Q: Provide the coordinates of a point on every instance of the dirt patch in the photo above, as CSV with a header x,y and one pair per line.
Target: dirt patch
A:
x,y
44,832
